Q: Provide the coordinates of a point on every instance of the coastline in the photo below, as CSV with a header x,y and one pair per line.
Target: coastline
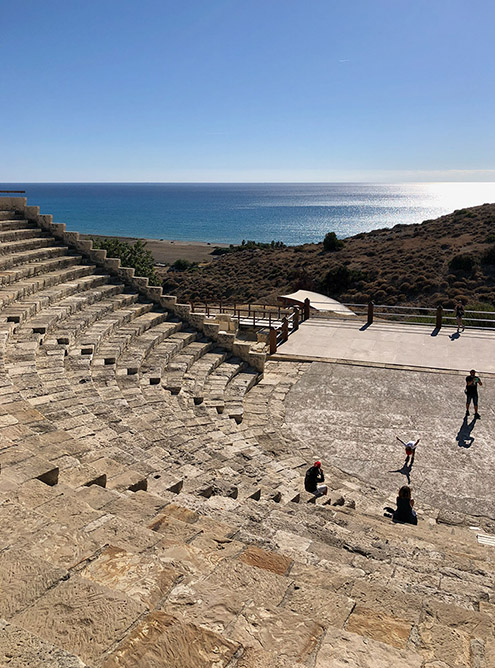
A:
x,y
167,251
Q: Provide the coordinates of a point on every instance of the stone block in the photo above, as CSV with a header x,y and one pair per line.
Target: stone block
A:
x,y
60,546
32,493
270,561
320,605
83,476
163,640
179,513
437,642
81,617
217,600
21,649
401,605
17,521
131,480
340,649
34,467
284,634
121,533
141,577
69,511
24,579
379,626
174,531
17,204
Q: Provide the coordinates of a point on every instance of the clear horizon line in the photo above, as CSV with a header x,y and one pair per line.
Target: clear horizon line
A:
x,y
298,182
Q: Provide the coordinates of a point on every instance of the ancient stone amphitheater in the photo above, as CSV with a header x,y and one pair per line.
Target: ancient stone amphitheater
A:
x,y
151,500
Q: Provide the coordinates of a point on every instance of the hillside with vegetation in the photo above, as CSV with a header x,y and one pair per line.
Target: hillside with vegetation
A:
x,y
430,263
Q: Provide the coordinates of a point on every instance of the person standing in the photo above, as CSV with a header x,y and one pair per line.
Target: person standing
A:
x,y
459,314
472,382
313,476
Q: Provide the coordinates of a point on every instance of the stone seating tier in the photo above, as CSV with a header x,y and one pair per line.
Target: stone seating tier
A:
x,y
145,522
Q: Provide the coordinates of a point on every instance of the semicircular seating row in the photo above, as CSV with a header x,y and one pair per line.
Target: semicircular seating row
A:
x,y
143,522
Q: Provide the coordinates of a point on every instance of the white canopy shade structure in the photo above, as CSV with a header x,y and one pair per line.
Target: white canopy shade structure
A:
x,y
317,302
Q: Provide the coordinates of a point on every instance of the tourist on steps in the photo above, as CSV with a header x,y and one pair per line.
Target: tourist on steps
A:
x,y
405,512
410,447
313,476
472,382
459,313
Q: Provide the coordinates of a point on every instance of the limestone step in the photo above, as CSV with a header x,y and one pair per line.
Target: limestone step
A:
x,y
13,224
236,390
181,363
90,339
125,334
6,214
38,241
18,234
195,377
69,329
46,300
217,382
20,464
132,360
17,259
38,268
23,289
88,291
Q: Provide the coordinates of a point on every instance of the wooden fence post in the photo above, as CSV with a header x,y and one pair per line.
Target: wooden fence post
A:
x,y
285,329
306,308
371,306
438,323
295,320
273,340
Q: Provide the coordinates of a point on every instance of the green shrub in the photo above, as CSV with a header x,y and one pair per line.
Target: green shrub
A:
x,y
331,243
182,265
340,278
488,256
130,255
463,262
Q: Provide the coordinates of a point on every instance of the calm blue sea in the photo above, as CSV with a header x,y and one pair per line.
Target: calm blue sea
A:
x,y
289,212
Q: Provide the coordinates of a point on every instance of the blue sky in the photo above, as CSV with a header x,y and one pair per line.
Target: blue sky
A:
x,y
247,90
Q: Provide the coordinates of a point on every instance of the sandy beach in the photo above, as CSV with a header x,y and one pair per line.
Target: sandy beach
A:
x,y
167,251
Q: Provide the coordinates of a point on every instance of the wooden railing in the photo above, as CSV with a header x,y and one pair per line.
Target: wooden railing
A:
x,y
254,312
423,315
278,320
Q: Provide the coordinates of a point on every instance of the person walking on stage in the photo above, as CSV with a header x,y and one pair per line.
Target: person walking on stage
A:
x,y
459,313
472,382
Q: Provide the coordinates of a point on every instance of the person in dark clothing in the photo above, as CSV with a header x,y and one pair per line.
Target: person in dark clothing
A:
x,y
459,313
405,512
313,476
472,382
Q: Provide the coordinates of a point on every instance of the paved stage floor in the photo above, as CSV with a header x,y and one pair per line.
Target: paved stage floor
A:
x,y
350,416
385,343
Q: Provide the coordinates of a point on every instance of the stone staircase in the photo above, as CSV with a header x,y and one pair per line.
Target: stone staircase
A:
x,y
152,507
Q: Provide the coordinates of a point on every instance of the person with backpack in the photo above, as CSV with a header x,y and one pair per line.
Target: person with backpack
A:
x,y
313,476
